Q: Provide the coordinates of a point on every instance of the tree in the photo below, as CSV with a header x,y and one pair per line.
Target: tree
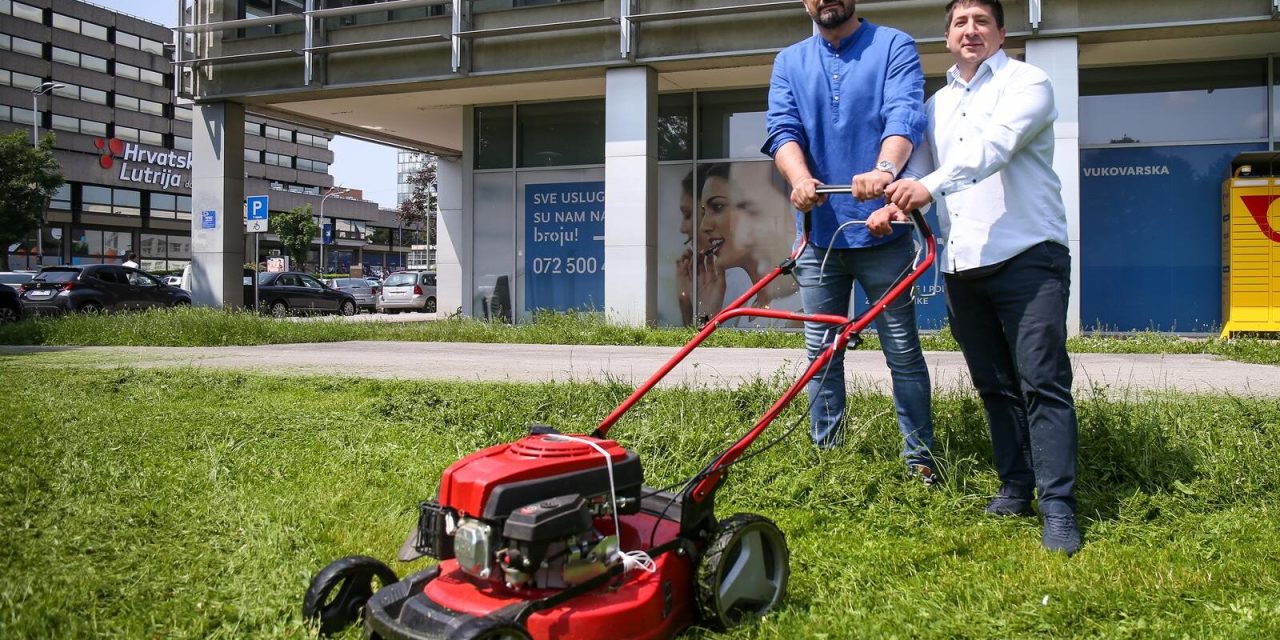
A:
x,y
28,176
296,229
419,209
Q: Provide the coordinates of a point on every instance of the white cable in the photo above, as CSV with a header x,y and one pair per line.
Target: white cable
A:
x,y
636,559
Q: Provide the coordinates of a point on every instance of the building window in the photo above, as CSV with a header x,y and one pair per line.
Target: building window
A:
x,y
164,252
25,47
151,138
731,123
675,126
555,134
76,92
27,12
61,199
128,40
253,155
75,25
278,160
182,113
19,80
312,165
1189,102
94,246
164,205
127,71
494,135
107,200
181,143
276,133
126,133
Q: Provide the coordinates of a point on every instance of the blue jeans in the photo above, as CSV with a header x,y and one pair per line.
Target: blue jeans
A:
x,y
828,289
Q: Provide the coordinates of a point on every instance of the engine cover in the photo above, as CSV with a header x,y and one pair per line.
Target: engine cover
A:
x,y
492,483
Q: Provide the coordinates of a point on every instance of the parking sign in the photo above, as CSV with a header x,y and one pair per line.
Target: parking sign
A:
x,y
256,214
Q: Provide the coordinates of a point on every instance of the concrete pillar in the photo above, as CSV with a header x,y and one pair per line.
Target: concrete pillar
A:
x,y
217,205
1059,57
630,195
451,238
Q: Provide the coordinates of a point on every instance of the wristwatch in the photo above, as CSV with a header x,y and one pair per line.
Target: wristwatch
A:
x,y
888,167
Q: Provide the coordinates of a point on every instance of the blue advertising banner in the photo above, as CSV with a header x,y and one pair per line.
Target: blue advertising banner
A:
x,y
564,246
326,233
1150,227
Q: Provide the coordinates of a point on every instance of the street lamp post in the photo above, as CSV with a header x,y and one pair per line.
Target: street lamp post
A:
x,y
41,90
333,191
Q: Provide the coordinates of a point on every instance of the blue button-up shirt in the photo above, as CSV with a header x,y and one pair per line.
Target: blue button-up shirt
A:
x,y
839,102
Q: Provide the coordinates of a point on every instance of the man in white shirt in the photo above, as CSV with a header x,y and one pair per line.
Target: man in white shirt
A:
x,y
987,162
130,260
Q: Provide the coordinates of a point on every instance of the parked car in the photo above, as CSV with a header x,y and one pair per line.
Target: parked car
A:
x,y
359,288
290,291
10,305
376,285
98,287
15,279
409,290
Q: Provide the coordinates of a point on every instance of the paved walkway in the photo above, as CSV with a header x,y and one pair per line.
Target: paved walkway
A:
x,y
704,367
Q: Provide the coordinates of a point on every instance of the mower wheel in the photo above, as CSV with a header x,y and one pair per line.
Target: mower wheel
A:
x,y
337,594
489,629
743,573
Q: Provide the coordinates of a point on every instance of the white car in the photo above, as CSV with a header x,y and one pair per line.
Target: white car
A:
x,y
408,291
173,281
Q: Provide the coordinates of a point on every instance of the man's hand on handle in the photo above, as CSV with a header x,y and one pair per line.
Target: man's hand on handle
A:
x,y
908,194
880,223
803,195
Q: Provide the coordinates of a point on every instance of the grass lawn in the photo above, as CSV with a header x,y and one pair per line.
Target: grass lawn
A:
x,y
197,504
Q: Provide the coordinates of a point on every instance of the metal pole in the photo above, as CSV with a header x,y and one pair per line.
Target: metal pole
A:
x,y
257,257
44,88
35,144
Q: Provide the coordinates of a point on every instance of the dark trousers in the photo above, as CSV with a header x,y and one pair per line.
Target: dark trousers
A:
x,y
1011,326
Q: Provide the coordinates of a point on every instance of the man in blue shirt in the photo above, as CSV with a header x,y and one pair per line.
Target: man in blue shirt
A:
x,y
847,106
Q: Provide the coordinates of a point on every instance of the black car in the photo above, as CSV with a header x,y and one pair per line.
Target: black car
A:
x,y
10,305
98,287
289,291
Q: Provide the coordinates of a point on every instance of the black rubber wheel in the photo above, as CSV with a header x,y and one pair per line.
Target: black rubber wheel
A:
x,y
743,573
181,303
348,308
91,307
9,314
337,594
279,308
489,629
430,306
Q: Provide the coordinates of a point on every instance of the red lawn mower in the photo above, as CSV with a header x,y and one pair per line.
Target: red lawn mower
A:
x,y
556,536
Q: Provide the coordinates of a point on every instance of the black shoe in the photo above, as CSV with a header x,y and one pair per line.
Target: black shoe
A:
x,y
1007,504
1061,533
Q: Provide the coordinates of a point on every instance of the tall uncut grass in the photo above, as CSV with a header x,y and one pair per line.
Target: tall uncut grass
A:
x,y
202,327
197,504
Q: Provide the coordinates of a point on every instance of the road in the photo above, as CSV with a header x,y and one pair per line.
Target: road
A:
x,y
716,367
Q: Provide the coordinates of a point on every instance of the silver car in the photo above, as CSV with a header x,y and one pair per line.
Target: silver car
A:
x,y
409,290
359,288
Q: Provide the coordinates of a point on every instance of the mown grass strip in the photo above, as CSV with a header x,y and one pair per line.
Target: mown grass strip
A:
x,y
197,504
202,327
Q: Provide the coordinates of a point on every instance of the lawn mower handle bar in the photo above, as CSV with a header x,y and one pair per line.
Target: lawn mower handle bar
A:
x,y
849,326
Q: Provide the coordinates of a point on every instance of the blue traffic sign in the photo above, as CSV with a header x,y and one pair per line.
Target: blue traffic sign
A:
x,y
256,207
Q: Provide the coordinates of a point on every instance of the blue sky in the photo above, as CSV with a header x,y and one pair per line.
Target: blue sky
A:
x,y
357,164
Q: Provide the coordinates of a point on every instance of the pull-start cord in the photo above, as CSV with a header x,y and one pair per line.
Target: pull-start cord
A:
x,y
636,559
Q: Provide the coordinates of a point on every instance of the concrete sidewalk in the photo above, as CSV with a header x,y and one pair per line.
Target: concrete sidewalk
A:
x,y
717,367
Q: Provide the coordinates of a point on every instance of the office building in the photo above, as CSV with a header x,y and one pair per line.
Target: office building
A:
x,y
124,141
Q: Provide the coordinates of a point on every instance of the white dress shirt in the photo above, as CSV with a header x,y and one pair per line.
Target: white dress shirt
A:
x,y
987,159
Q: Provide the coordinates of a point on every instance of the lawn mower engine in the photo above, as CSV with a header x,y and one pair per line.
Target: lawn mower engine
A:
x,y
523,516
